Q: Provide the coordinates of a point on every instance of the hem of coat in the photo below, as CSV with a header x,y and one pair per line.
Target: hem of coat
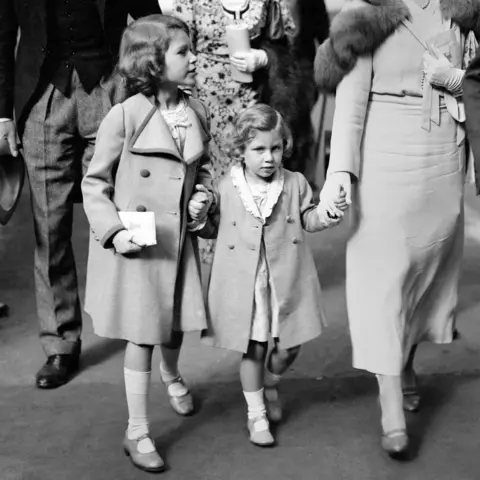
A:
x,y
137,340
210,341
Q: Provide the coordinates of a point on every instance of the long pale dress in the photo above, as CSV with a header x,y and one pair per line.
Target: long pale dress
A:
x,y
405,249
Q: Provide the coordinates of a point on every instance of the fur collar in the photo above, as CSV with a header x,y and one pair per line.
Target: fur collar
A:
x,y
358,31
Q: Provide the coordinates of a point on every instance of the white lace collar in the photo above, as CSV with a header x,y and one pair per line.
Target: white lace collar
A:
x,y
240,183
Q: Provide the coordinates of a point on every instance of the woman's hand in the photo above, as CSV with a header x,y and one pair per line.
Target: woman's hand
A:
x,y
124,242
441,73
336,194
250,61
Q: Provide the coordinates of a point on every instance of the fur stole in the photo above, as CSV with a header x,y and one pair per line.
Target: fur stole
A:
x,y
359,31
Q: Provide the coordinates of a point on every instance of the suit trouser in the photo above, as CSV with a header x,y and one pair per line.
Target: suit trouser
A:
x,y
58,143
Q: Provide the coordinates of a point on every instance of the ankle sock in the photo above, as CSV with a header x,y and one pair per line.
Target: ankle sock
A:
x,y
136,388
255,404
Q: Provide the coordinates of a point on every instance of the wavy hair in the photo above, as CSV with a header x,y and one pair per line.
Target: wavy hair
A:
x,y
142,52
258,118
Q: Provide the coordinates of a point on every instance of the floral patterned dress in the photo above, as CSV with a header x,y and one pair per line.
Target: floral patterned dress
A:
x,y
216,88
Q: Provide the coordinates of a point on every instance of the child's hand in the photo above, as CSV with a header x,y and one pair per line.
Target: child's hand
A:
x,y
325,216
199,203
124,242
341,201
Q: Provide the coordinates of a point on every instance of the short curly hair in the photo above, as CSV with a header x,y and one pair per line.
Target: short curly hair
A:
x,y
259,117
142,52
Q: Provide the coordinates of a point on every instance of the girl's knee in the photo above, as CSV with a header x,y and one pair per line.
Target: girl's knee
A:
x,y
256,349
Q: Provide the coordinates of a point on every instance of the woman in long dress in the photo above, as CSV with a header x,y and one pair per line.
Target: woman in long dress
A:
x,y
275,72
398,136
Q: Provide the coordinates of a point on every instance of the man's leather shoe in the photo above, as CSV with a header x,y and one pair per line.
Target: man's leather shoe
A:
x,y
57,371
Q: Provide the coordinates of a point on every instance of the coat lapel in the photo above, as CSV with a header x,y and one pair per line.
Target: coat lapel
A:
x,y
153,136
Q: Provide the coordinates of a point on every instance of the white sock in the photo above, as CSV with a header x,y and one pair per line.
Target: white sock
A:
x,y
271,381
255,404
136,387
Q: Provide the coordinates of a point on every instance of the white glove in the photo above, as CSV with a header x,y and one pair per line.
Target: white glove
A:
x,y
250,61
200,203
441,73
124,242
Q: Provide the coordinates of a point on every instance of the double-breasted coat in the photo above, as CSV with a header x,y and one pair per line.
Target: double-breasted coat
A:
x,y
290,261
137,167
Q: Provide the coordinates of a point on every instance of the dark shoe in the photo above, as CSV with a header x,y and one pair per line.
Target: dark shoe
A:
x,y
57,371
411,396
148,462
395,443
3,310
411,400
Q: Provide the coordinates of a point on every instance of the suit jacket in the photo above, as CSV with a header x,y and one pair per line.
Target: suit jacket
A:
x,y
471,97
19,77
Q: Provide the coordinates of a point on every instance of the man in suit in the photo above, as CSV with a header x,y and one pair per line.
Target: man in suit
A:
x,y
54,87
471,97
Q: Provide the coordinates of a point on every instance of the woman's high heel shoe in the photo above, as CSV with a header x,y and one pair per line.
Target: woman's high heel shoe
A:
x,y
411,400
411,397
395,443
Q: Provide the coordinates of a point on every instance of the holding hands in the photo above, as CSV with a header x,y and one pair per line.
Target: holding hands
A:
x,y
331,220
336,195
251,61
199,204
124,243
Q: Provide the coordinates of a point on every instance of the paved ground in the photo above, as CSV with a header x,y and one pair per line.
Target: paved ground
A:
x,y
331,432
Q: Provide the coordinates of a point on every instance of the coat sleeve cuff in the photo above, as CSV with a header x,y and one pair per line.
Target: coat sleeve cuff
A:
x,y
106,240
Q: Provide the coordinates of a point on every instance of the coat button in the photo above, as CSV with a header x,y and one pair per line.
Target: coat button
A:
x,y
141,208
294,240
289,219
231,247
144,173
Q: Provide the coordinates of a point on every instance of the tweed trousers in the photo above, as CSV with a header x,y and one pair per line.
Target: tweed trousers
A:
x,y
58,142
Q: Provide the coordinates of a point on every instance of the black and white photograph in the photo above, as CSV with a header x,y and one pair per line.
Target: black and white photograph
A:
x,y
240,239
